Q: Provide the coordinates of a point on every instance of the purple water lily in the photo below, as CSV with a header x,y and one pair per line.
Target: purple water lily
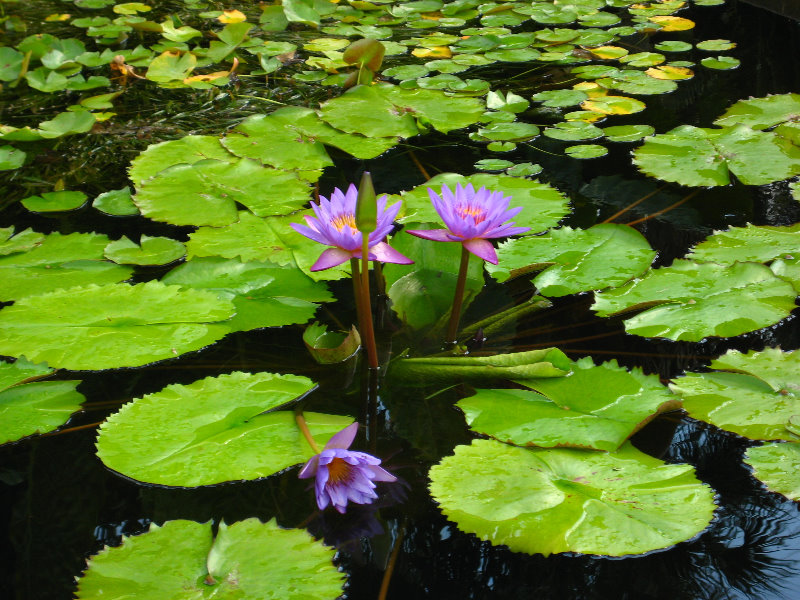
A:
x,y
472,218
344,475
334,224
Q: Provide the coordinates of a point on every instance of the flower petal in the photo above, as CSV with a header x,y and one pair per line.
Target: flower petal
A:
x,y
344,438
482,248
383,252
331,258
310,468
437,235
380,474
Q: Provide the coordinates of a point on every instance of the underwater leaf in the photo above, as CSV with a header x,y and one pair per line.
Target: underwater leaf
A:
x,y
762,113
330,347
756,400
109,326
188,149
206,192
777,465
691,301
117,203
216,429
753,243
150,251
367,111
246,559
545,501
36,407
575,260
702,157
542,205
44,264
55,201
264,294
595,407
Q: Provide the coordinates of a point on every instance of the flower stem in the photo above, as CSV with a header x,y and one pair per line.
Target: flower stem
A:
x,y
355,275
455,314
301,423
368,335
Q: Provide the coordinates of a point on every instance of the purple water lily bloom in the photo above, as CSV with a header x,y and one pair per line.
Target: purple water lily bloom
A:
x,y
344,475
472,218
334,224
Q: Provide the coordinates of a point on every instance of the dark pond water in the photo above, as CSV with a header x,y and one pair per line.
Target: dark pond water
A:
x,y
60,505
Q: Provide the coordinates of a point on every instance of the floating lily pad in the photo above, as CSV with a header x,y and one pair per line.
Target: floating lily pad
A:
x,y
509,102
116,202
670,23
594,71
716,45
150,251
573,131
777,466
788,269
109,326
670,72
566,500
757,400
690,301
38,407
750,243
207,192
643,59
11,243
367,111
219,430
524,170
595,407
264,294
631,81
189,149
586,151
493,164
514,132
10,157
55,201
703,157
627,133
575,260
762,113
43,264
330,347
559,98
673,46
250,558
721,63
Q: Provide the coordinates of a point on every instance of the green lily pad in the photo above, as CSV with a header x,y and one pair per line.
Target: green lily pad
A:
x,y
443,113
788,269
117,203
509,102
544,501
249,558
673,46
703,157
31,408
762,113
39,264
524,170
575,260
560,98
777,465
716,45
330,347
407,72
721,63
691,301
573,131
632,81
367,111
221,428
750,243
11,158
513,132
613,105
643,59
513,54
21,242
595,407
757,400
493,164
543,205
55,201
108,326
150,251
586,151
627,133
10,63
594,71
207,192
186,150
264,294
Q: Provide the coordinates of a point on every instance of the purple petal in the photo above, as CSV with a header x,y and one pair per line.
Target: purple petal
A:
x,y
344,438
482,248
383,252
310,233
331,258
437,235
310,468
380,474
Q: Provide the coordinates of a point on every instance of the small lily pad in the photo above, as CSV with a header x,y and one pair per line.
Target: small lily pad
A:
x,y
573,131
613,105
777,465
627,133
560,98
514,132
493,164
716,45
586,151
643,59
721,63
673,46
55,201
11,158
117,203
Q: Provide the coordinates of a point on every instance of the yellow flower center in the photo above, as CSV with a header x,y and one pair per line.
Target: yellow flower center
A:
x,y
342,221
476,212
338,470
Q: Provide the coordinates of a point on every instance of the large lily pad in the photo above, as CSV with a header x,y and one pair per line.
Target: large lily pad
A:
x,y
575,260
23,241
264,294
566,500
246,559
367,111
207,192
114,325
750,243
213,430
777,465
762,113
690,301
57,261
705,157
189,149
149,251
757,400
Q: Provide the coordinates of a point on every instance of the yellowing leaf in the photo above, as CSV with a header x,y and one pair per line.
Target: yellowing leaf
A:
x,y
232,16
435,52
432,16
647,6
668,72
57,17
669,23
613,105
608,52
206,77
587,86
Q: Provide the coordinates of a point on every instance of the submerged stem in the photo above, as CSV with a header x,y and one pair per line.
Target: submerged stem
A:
x,y
368,335
455,314
301,423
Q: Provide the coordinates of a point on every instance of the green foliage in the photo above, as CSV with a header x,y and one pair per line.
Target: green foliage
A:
x,y
762,113
750,243
150,251
777,466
